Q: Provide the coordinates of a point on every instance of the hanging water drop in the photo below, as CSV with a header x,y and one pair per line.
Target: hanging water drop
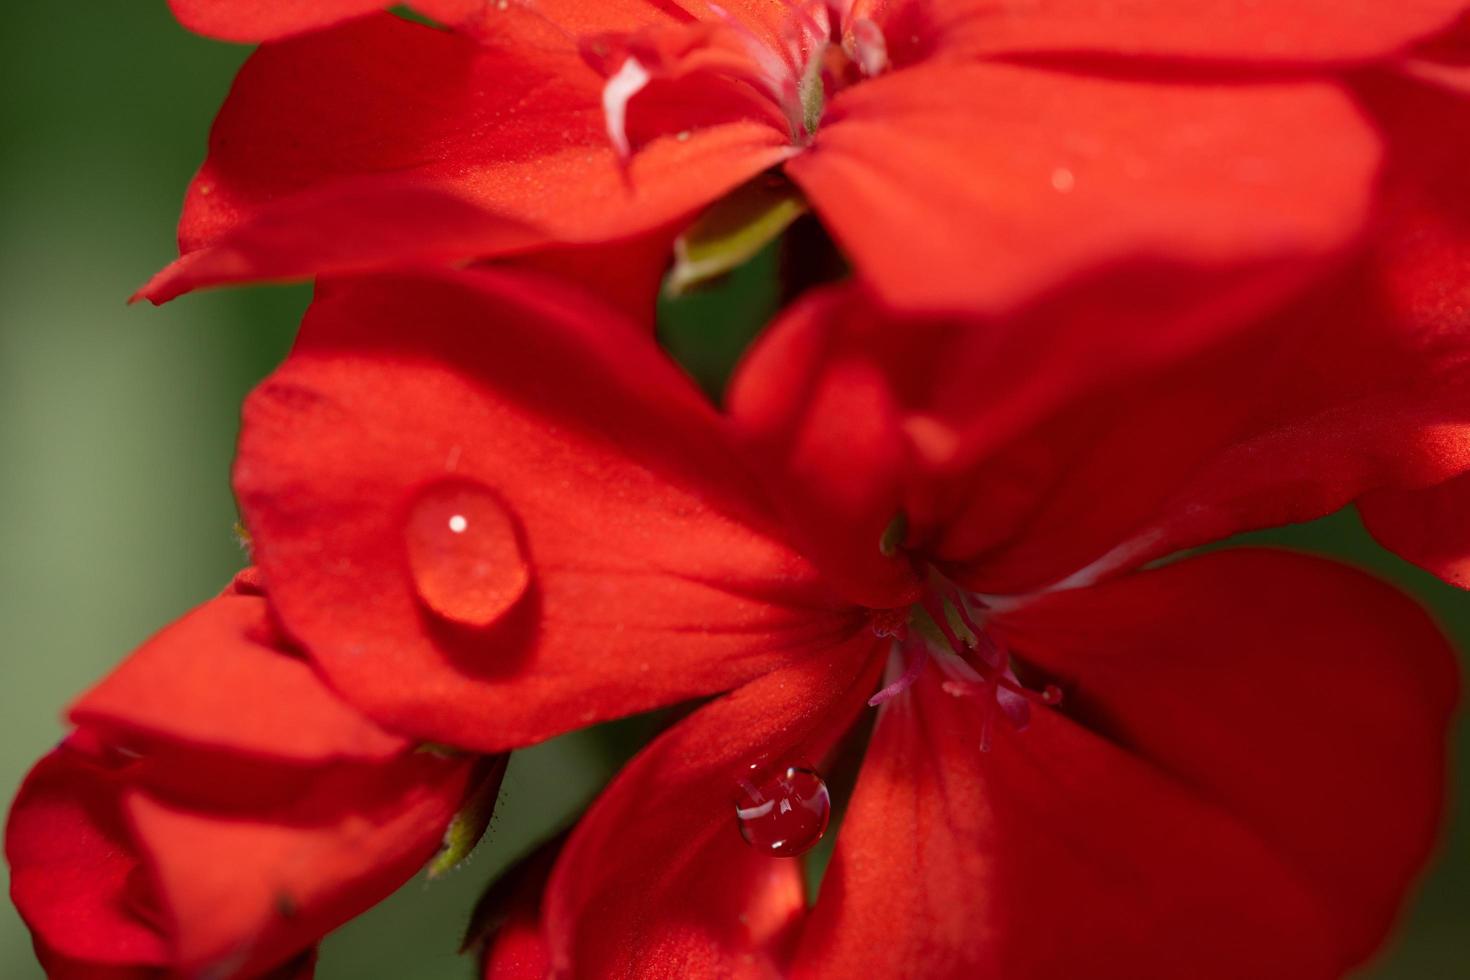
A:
x,y
783,811
464,553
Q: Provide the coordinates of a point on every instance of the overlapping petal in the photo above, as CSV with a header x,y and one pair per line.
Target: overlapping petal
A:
x,y
218,681
81,881
384,141
1424,260
1233,726
244,887
1295,32
648,567
856,418
266,20
1430,527
655,881
220,810
1010,180
262,20
1051,446
335,134
826,432
1332,402
72,870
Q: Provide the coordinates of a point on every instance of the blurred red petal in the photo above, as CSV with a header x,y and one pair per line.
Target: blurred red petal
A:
x,y
263,20
244,889
72,867
1429,527
218,680
1288,32
1070,172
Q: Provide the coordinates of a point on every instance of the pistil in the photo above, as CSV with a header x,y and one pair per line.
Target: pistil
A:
x,y
947,627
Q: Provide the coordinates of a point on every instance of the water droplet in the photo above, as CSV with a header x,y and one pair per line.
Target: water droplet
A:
x,y
464,553
783,811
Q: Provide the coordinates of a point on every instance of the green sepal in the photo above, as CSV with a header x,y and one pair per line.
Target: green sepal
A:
x,y
732,231
894,535
469,825
813,96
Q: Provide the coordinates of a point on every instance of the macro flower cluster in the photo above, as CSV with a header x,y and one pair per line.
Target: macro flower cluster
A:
x,y
1069,289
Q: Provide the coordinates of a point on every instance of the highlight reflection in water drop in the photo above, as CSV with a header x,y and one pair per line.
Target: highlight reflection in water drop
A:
x,y
783,811
464,553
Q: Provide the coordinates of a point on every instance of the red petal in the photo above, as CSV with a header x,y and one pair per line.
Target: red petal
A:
x,y
654,572
1294,467
262,20
1429,527
574,18
1254,717
245,889
58,967
856,416
218,680
1079,438
1424,261
343,227
1341,682
655,881
1333,398
265,20
1422,247
1290,31
1034,445
630,284
71,863
817,413
330,144
507,919
1037,176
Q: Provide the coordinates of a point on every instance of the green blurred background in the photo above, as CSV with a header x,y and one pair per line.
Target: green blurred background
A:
x,y
117,426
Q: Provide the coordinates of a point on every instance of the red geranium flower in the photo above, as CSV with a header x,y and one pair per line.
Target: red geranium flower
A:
x,y
486,553
1007,148
218,810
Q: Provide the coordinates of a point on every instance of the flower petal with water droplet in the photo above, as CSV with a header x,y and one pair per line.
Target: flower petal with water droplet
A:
x,y
464,553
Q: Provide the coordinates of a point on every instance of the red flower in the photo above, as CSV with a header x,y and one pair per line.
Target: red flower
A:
x,y
218,810
1424,250
1009,150
486,553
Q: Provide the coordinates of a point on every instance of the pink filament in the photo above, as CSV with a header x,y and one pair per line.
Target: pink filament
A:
x,y
914,655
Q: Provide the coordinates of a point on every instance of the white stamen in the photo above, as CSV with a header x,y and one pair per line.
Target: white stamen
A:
x,y
869,49
619,90
1122,556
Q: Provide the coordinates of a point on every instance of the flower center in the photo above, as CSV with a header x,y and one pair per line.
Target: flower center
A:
x,y
947,626
819,47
